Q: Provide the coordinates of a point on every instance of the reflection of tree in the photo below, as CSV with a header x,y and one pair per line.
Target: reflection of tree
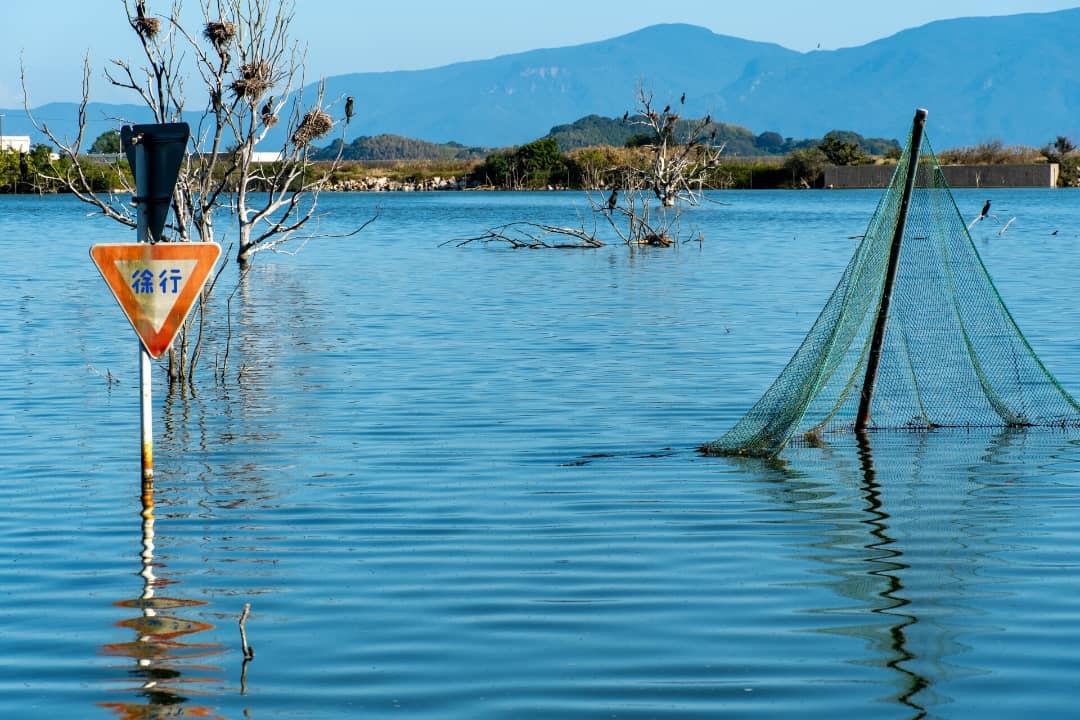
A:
x,y
162,649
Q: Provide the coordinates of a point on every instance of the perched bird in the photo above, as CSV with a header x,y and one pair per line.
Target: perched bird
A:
x,y
667,109
982,215
348,109
269,119
625,115
140,9
682,99
613,199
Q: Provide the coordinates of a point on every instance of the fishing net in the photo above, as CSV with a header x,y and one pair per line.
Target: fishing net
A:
x,y
950,353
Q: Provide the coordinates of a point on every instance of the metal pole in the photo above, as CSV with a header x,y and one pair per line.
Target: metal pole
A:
x,y
874,359
142,191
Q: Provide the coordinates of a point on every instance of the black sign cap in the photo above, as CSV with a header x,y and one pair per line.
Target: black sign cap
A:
x,y
165,144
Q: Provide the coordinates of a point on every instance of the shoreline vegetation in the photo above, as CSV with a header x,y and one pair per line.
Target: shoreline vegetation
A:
x,y
561,160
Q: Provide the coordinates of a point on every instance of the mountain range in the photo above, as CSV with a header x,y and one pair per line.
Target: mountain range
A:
x,y
1009,78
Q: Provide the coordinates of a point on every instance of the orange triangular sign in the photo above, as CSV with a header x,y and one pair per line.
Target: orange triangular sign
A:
x,y
156,284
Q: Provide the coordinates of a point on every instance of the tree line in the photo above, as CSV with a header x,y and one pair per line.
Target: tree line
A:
x,y
580,155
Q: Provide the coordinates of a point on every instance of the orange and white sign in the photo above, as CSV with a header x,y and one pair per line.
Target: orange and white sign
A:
x,y
156,284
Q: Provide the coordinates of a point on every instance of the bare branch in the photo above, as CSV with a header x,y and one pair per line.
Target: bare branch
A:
x,y
532,235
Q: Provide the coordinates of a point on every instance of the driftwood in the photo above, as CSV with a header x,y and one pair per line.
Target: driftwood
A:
x,y
533,235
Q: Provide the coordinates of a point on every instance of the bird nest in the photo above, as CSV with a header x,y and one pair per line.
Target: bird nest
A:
x,y
146,26
314,125
254,80
220,34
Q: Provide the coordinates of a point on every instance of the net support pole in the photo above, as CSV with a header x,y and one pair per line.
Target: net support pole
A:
x,y
874,358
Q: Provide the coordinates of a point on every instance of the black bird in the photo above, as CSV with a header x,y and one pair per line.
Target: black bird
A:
x,y
985,210
268,108
613,199
667,109
348,109
625,115
140,9
682,99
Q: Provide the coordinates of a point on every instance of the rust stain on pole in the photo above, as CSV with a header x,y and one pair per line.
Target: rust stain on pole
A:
x,y
874,359
146,415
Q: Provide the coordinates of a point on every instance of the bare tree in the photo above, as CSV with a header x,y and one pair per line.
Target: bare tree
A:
x,y
681,154
677,160
248,75
643,208
251,77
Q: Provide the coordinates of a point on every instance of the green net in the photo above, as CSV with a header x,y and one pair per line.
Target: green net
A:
x,y
950,356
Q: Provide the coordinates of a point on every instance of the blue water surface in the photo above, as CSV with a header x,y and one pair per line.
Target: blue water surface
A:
x,y
462,481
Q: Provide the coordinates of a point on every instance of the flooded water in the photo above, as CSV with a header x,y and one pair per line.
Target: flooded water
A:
x,y
461,482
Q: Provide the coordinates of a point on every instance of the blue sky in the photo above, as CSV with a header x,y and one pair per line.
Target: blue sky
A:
x,y
345,36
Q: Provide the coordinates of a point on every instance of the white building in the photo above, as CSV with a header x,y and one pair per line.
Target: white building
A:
x,y
18,143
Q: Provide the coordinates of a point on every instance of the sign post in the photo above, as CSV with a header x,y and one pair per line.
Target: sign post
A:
x,y
142,235
155,283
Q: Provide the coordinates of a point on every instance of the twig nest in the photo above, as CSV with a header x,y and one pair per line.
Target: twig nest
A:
x,y
146,26
315,124
269,119
254,80
220,34
657,240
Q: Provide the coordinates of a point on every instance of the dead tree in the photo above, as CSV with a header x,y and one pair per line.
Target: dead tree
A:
x,y
680,155
673,167
243,57
677,159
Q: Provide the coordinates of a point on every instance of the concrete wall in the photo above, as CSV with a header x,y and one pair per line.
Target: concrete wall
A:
x,y
958,176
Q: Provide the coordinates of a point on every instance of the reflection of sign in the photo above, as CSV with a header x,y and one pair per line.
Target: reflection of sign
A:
x,y
156,284
161,627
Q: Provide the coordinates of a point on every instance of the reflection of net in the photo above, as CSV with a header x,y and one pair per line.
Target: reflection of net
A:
x,y
951,356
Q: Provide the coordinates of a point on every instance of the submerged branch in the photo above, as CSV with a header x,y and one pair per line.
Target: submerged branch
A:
x,y
533,235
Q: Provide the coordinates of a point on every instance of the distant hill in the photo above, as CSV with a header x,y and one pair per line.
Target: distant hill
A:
x,y
1010,78
595,130
396,147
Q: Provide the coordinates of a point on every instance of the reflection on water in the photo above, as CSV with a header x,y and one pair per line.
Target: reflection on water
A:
x,y
890,567
917,531
462,484
168,667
